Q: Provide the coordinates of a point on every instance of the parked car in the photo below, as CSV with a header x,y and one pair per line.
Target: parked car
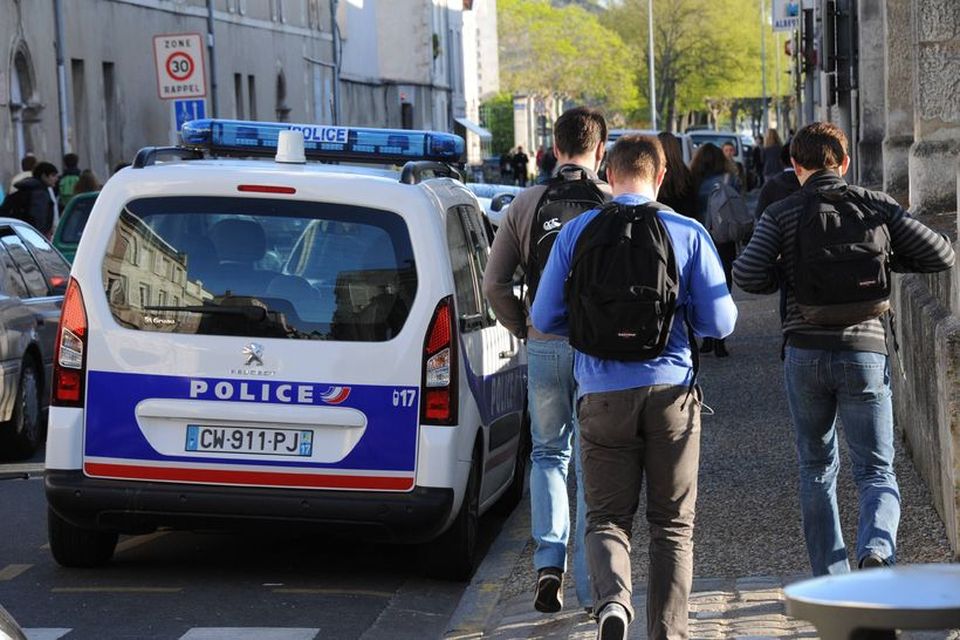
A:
x,y
33,279
247,342
495,200
72,222
719,138
686,144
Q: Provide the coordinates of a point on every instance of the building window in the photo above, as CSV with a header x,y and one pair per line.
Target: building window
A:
x,y
283,111
162,298
144,296
111,114
78,77
238,94
22,103
252,96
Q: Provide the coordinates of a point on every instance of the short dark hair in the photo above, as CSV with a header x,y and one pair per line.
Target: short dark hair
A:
x,y
819,145
579,130
71,160
785,155
28,162
44,169
636,156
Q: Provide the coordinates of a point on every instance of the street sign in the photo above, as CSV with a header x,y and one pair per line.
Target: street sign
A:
x,y
187,110
179,61
786,15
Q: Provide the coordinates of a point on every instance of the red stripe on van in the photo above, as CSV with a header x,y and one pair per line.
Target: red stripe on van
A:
x,y
256,478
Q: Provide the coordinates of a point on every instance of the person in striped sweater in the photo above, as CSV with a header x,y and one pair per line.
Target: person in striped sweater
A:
x,y
833,371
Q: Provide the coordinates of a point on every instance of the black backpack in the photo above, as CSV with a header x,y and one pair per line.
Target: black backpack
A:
x,y
17,205
562,201
623,286
842,260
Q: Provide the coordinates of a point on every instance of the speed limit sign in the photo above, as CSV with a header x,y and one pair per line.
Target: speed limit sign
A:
x,y
179,60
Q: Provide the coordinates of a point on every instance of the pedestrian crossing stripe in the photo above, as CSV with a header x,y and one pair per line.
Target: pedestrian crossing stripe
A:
x,y
204,633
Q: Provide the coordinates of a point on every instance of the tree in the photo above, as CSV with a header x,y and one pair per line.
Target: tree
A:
x,y
497,116
545,50
702,49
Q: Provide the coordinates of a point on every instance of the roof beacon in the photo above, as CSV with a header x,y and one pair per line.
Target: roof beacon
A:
x,y
323,142
290,148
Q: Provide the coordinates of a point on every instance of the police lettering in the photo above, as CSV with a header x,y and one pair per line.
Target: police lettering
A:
x,y
322,134
252,391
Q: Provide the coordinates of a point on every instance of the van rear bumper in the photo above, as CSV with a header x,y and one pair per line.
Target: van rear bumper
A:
x,y
137,507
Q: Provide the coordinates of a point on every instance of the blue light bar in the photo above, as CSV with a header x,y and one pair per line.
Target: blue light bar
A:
x,y
324,142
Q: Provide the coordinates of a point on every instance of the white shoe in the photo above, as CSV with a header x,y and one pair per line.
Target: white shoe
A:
x,y
613,622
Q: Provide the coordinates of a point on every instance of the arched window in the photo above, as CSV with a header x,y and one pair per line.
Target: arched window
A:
x,y
24,108
283,111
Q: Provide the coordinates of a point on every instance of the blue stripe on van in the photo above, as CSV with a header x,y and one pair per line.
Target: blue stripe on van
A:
x,y
388,444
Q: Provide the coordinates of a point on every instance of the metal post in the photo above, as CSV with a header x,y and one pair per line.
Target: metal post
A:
x,y
61,79
335,30
763,64
809,68
653,79
211,54
777,52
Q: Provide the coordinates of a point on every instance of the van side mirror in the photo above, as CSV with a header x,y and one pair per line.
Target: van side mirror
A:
x,y
500,201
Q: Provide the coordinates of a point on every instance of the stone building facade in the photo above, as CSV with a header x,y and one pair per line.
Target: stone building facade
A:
x,y
401,65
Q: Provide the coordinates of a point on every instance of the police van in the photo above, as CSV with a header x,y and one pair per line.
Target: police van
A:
x,y
249,341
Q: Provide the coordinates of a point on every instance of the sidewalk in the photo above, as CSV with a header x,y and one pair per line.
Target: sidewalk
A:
x,y
748,540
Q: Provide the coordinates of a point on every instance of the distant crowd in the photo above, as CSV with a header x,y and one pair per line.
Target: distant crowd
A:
x,y
41,192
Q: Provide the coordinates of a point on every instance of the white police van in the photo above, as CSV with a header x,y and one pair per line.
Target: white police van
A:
x,y
250,341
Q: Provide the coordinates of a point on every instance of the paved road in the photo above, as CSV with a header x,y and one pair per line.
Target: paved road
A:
x,y
186,586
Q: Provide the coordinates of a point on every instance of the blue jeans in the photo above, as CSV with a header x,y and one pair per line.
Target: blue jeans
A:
x,y
552,397
856,386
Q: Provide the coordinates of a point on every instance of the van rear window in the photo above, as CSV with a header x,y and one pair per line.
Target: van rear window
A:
x,y
260,268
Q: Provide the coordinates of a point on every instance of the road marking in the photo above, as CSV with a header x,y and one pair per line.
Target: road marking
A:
x,y
30,468
116,589
136,541
11,571
249,633
337,592
45,634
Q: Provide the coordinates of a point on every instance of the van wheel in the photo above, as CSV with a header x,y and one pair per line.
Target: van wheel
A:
x,y
507,502
76,547
20,437
452,556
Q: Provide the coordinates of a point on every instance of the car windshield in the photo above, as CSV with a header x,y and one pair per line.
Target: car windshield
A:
x,y
719,139
485,190
260,268
77,214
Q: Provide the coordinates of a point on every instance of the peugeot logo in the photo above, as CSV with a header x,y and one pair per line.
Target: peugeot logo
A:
x,y
254,354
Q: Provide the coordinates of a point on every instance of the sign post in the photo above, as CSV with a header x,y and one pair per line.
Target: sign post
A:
x,y
786,15
181,77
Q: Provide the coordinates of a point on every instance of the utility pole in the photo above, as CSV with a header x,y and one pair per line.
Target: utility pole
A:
x,y
61,79
777,52
335,31
765,119
214,108
653,79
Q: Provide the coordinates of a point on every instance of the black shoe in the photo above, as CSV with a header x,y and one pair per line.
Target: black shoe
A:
x,y
707,346
613,622
549,598
872,561
720,349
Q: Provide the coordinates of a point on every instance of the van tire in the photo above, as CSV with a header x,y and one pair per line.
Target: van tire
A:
x,y
20,437
453,555
75,547
507,502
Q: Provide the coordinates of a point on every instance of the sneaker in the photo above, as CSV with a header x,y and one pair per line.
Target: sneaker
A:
x,y
549,598
872,561
613,622
720,349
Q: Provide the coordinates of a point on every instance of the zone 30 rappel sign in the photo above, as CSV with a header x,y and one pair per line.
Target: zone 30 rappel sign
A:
x,y
180,72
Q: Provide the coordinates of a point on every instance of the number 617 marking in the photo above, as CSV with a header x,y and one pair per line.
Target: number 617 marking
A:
x,y
404,397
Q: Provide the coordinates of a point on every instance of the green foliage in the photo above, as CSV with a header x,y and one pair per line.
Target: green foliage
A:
x,y
496,114
547,50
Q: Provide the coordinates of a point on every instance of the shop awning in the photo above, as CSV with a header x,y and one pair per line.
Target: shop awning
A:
x,y
470,125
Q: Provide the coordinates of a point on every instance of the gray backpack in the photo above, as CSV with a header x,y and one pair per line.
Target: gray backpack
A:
x,y
728,219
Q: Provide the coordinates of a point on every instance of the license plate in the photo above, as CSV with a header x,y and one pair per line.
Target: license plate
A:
x,y
272,442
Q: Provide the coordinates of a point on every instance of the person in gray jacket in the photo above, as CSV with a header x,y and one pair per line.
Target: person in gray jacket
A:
x,y
837,370
580,135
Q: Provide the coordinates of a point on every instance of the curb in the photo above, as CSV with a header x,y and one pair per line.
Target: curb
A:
x,y
479,602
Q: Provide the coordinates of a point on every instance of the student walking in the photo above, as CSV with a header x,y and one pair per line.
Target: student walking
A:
x,y
835,329
639,413
524,239
680,190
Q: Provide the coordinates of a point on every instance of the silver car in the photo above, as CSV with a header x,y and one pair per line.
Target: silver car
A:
x,y
33,279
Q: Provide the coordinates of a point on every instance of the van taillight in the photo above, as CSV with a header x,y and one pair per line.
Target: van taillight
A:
x,y
69,358
439,390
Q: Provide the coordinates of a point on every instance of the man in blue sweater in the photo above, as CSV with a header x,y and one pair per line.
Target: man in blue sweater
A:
x,y
635,417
